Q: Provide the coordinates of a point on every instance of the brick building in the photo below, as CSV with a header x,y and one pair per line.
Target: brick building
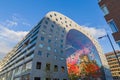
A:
x,y
111,10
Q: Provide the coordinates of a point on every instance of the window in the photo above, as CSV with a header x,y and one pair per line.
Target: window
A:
x,y
42,38
39,53
49,40
99,0
37,78
28,65
50,15
118,43
56,19
48,48
38,66
44,26
60,18
62,69
55,79
55,50
52,26
55,68
51,30
55,14
48,67
112,25
41,45
46,22
48,78
104,9
48,54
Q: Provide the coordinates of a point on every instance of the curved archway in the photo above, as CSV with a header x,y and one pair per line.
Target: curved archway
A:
x,y
83,61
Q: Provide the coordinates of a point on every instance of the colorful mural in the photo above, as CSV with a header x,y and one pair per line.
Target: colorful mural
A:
x,y
83,62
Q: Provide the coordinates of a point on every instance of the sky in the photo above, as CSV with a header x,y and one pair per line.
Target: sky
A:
x,y
18,17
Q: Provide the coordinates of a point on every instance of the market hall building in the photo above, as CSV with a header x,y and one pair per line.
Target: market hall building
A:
x,y
57,48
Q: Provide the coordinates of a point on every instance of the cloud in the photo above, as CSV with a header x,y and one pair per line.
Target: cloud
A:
x,y
11,23
8,39
16,20
95,32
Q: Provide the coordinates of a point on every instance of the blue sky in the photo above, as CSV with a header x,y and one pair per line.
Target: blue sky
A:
x,y
17,17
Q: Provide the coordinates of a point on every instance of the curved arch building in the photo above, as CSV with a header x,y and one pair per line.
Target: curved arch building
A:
x,y
57,48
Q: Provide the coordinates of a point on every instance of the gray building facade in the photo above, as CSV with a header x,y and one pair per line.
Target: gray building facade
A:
x,y
56,49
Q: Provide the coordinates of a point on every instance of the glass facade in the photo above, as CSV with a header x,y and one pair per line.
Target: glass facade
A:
x,y
83,61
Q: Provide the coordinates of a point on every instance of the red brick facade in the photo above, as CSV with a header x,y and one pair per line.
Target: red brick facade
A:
x,y
113,7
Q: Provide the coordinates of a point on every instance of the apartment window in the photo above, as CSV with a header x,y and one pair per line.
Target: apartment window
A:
x,y
65,21
55,79
99,0
51,30
105,9
41,45
60,18
50,15
55,14
48,67
52,26
118,43
49,40
61,46
55,68
39,53
61,40
62,69
44,26
37,78
42,38
48,48
112,25
48,78
55,50
38,65
48,54
28,65
46,22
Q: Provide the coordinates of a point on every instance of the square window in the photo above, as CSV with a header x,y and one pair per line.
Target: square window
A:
x,y
42,38
52,26
46,22
38,65
48,54
62,69
48,67
56,19
48,78
55,14
36,78
60,18
41,45
44,26
50,15
48,48
104,9
49,40
55,68
113,26
39,53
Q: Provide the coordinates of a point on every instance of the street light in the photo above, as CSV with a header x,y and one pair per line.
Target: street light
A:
x,y
111,46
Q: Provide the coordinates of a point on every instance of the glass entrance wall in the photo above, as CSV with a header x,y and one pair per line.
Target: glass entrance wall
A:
x,y
83,61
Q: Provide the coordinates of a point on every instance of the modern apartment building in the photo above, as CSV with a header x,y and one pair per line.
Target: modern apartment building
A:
x,y
113,63
111,10
57,48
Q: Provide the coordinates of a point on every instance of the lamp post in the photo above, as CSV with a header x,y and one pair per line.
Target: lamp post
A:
x,y
111,46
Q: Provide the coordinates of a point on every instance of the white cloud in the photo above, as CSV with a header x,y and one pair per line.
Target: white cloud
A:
x,y
95,32
11,23
8,39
